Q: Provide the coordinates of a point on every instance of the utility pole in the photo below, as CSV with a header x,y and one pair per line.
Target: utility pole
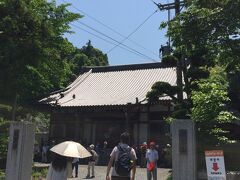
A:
x,y
177,4
179,62
177,7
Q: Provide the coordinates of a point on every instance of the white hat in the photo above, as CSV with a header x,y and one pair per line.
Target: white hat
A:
x,y
92,146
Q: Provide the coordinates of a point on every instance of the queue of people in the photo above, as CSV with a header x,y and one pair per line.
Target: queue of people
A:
x,y
122,161
65,160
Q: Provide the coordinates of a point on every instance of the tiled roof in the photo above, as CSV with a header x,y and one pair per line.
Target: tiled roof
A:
x,y
113,85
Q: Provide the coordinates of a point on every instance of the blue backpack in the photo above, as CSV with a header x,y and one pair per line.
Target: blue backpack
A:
x,y
124,163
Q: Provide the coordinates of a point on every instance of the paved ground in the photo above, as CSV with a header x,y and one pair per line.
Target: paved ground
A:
x,y
100,172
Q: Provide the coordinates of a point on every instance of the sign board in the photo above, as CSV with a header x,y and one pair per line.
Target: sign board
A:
x,y
215,165
183,141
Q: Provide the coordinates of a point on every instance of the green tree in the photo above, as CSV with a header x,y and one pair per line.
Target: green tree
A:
x,y
87,56
206,35
209,108
36,59
4,125
33,50
209,29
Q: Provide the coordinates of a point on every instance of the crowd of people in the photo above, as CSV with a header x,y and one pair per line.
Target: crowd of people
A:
x,y
62,167
42,152
123,160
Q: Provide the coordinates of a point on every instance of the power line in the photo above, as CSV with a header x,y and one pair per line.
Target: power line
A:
x,y
91,17
91,33
103,34
104,39
110,28
135,30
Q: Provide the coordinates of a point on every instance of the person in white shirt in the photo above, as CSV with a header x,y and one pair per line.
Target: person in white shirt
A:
x,y
129,157
152,158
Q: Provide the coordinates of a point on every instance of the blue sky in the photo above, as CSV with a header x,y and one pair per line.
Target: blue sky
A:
x,y
124,16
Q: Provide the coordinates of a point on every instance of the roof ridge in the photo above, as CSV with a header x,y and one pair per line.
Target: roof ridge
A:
x,y
125,67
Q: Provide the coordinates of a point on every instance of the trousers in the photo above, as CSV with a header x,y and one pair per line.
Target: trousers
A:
x,y
91,164
152,175
75,165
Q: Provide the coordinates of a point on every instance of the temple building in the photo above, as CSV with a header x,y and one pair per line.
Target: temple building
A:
x,y
105,101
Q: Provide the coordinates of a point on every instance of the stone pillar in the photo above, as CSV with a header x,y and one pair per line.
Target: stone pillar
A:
x,y
20,151
183,150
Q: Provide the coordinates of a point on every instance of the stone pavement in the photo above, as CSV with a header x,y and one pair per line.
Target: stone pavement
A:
x,y
100,173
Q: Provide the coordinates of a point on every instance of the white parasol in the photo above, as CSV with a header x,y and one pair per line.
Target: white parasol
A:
x,y
71,149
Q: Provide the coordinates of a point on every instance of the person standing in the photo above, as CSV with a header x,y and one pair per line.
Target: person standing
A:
x,y
58,168
152,158
143,150
45,149
125,160
75,166
92,161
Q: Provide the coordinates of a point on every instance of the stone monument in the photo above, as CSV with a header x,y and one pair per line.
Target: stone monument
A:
x,y
183,150
20,151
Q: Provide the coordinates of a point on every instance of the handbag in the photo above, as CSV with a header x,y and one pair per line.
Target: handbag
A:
x,y
151,166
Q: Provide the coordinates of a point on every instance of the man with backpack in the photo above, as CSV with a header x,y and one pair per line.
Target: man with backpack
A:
x,y
124,159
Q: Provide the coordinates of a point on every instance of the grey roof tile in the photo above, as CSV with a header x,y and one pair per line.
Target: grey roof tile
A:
x,y
113,85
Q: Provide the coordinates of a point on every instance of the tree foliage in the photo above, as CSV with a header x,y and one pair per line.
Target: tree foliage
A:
x,y
4,125
35,58
209,29
206,37
161,89
209,107
170,60
32,47
87,56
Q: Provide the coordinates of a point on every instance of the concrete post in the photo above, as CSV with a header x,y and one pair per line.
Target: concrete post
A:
x,y
183,150
20,151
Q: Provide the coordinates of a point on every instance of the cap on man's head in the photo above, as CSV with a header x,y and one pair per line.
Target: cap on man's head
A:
x,y
152,143
92,146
